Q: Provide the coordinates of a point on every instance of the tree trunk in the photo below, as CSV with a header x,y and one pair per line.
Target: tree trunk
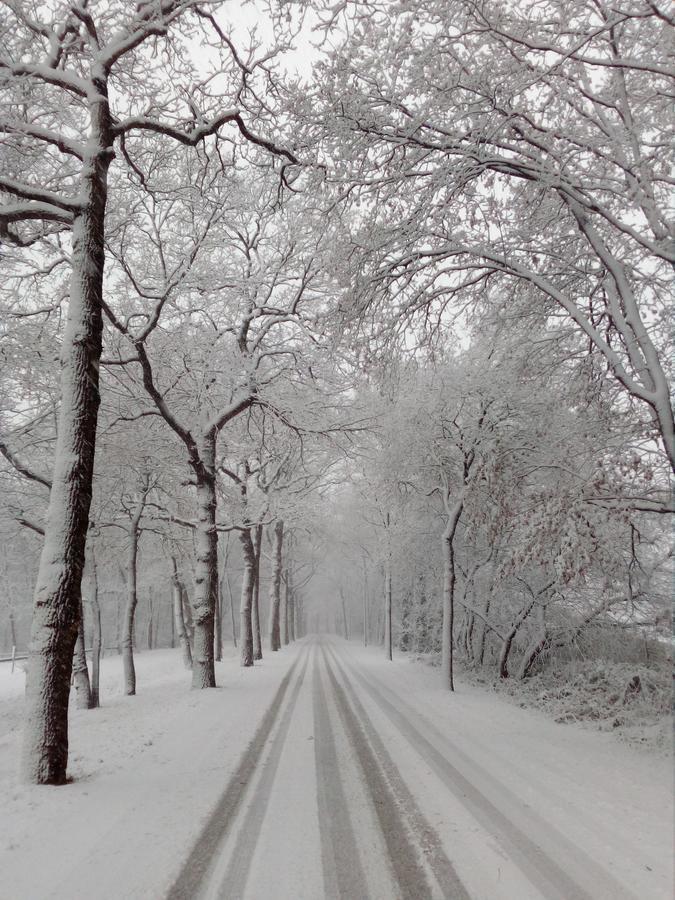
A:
x,y
132,596
225,581
247,586
257,549
284,610
231,600
387,612
469,637
448,628
12,627
172,621
345,623
219,625
150,634
178,617
97,642
484,630
275,587
187,618
365,604
508,640
118,615
128,628
58,590
80,670
533,655
157,624
388,598
290,604
380,617
206,570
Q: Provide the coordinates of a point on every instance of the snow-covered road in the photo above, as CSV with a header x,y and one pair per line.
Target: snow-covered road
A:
x,y
324,814
356,792
327,771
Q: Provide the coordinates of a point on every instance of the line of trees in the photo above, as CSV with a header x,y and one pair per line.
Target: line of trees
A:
x,y
407,315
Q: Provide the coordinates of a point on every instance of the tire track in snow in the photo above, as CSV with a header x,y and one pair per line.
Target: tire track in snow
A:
x,y
401,821
233,882
342,870
194,875
546,873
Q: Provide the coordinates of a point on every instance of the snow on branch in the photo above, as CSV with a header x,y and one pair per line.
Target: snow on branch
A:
x,y
510,267
40,195
235,409
65,145
28,523
22,212
195,135
621,62
22,468
56,77
152,19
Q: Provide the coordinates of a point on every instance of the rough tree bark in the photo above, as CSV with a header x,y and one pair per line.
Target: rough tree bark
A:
x,y
284,610
247,586
132,593
179,619
58,591
206,567
454,513
218,624
255,612
275,586
187,617
97,643
80,670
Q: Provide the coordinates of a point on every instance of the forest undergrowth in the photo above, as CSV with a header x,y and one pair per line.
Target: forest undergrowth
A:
x,y
632,700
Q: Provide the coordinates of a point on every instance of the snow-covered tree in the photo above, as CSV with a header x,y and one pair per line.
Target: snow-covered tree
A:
x,y
81,87
511,155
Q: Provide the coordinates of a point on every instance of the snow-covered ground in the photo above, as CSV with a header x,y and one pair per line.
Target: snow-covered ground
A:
x,y
149,769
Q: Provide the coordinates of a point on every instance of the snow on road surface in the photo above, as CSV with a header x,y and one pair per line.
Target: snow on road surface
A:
x,y
328,771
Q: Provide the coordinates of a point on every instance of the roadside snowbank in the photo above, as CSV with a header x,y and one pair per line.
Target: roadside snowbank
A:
x,y
147,771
